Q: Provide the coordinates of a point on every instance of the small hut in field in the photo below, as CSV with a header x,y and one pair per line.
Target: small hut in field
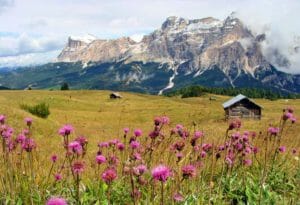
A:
x,y
115,96
242,107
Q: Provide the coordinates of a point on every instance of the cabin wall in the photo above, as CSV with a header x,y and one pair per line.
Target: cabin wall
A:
x,y
243,109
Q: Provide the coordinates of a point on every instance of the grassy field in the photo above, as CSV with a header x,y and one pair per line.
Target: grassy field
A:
x,y
99,118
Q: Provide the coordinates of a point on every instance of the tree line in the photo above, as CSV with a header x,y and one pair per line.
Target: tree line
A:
x,y
197,91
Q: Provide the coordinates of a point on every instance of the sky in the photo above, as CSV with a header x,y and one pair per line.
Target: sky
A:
x,y
35,31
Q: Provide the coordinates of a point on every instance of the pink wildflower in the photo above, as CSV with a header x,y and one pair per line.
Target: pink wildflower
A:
x,y
134,144
126,130
109,175
100,159
66,130
188,171
2,119
54,158
282,149
57,177
161,173
247,162
57,201
177,197
78,167
75,147
28,121
138,132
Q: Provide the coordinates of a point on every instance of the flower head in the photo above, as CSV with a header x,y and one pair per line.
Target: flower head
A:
x,y
56,201
2,119
188,171
28,121
126,130
134,144
66,130
247,162
57,177
138,132
177,197
100,159
28,145
54,158
75,147
161,173
109,175
282,149
78,167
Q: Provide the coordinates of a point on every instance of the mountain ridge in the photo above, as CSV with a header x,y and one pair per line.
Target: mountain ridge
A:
x,y
181,52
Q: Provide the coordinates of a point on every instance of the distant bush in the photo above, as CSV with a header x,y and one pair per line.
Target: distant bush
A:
x,y
40,110
64,86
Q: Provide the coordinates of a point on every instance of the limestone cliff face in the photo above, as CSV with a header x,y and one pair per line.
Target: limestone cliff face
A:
x,y
189,47
203,43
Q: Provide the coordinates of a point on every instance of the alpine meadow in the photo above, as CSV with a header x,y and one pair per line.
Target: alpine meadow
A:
x,y
149,102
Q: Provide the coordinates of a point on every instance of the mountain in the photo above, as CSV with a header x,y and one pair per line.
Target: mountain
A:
x,y
208,51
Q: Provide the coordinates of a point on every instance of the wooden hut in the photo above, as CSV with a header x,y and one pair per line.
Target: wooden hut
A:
x,y
242,107
115,96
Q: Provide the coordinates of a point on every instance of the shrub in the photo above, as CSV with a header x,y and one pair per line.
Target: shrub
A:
x,y
40,110
64,86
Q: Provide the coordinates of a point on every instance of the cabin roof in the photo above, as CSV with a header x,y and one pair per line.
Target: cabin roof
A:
x,y
236,99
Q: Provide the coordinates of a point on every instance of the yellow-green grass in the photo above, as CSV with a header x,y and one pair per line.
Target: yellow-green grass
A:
x,y
99,118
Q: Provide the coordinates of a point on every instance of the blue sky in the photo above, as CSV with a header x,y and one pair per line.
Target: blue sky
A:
x,y
38,29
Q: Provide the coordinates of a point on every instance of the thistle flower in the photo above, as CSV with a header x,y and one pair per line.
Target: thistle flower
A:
x,y
157,121
75,147
282,149
28,145
28,121
273,130
247,162
136,156
126,130
138,132
177,197
54,158
103,144
165,120
203,154
66,130
140,169
287,115
161,173
188,171
179,156
113,142
120,146
2,119
78,167
21,138
56,201
100,159
109,175
82,140
57,177
134,144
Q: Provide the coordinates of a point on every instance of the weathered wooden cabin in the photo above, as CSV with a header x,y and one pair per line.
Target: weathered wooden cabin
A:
x,y
242,107
115,96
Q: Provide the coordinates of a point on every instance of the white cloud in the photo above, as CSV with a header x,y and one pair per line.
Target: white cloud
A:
x,y
28,59
4,4
24,44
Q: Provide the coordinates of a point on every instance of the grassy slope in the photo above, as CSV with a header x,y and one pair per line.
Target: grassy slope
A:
x,y
94,115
